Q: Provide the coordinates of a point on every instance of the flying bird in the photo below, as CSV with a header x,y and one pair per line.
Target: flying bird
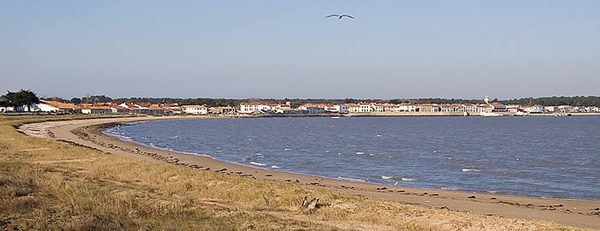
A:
x,y
339,16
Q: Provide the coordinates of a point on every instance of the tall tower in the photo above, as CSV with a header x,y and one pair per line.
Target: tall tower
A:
x,y
486,100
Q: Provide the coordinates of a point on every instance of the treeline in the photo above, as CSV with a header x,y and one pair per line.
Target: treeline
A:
x,y
561,100
214,102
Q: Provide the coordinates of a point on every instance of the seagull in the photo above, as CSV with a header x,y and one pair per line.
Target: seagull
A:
x,y
339,16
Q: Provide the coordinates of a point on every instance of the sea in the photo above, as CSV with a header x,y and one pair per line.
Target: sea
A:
x,y
542,156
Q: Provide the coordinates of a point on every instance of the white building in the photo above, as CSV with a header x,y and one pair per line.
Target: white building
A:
x,y
485,108
534,109
54,106
407,107
566,109
46,107
513,108
313,108
550,108
248,108
339,108
365,107
194,109
468,107
378,107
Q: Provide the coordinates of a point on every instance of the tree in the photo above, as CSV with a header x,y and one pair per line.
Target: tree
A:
x,y
75,100
55,98
3,102
22,98
96,99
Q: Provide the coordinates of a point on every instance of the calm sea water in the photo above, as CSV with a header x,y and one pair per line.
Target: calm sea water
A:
x,y
557,157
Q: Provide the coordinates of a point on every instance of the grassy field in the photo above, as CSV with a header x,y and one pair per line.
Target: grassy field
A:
x,y
46,185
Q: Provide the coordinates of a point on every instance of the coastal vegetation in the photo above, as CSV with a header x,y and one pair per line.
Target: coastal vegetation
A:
x,y
48,185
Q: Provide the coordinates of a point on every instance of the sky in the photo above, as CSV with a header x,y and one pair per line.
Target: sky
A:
x,y
465,49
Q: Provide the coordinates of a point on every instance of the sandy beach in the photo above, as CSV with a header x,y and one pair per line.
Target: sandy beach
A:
x,y
579,213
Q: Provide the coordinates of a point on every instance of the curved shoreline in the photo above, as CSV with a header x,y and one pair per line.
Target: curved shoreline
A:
x,y
574,212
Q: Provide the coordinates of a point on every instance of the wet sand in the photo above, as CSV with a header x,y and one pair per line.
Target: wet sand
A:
x,y
579,213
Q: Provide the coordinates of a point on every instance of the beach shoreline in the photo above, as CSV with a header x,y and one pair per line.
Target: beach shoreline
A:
x,y
574,212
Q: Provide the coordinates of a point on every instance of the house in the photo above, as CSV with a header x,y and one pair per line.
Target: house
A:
x,y
550,109
315,110
353,107
143,109
581,109
95,109
461,108
406,107
534,109
312,108
499,107
175,109
388,107
195,109
119,109
485,108
135,109
449,108
426,107
157,109
227,110
469,107
360,107
55,106
365,107
378,107
273,107
337,108
566,109
248,108
285,109
513,108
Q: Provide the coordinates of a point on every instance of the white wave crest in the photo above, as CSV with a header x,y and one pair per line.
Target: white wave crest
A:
x,y
387,177
351,179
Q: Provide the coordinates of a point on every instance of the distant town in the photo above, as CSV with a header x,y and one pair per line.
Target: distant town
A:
x,y
257,107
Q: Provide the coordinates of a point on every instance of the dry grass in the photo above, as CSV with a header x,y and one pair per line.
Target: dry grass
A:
x,y
46,185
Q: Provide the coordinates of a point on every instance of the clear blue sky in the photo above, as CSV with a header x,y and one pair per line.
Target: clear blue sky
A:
x,y
275,49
